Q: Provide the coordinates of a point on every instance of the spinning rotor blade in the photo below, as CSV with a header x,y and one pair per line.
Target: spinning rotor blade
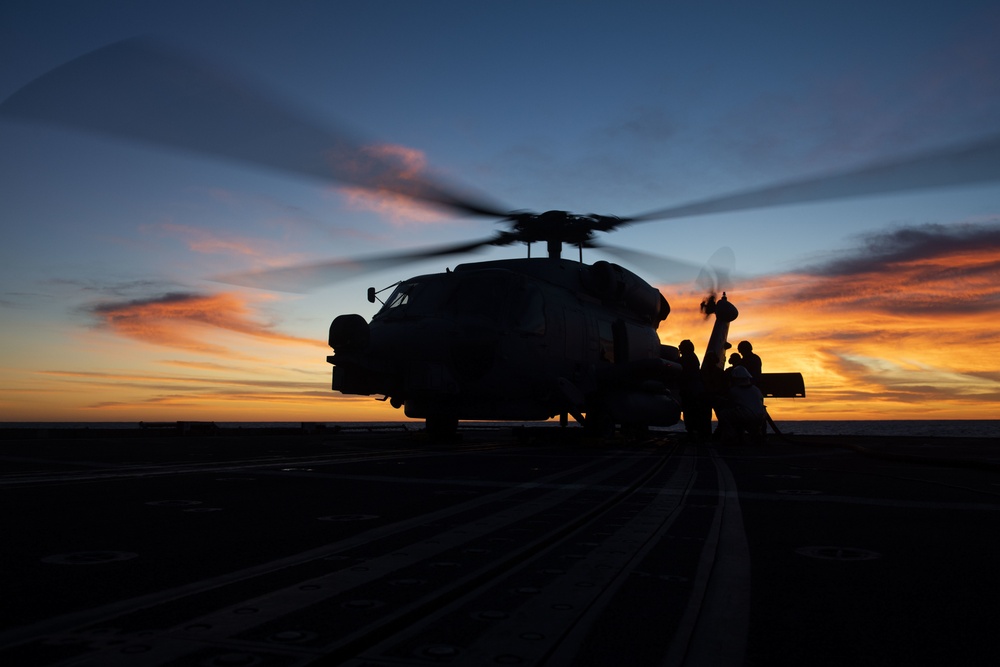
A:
x,y
305,277
140,90
714,276
717,274
977,162
667,269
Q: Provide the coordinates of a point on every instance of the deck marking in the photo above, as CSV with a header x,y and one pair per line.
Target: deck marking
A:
x,y
719,622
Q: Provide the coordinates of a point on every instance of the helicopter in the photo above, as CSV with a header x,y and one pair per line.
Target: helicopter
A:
x,y
526,340
520,339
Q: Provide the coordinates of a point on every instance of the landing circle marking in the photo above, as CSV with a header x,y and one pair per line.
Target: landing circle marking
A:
x,y
173,503
291,636
439,651
232,660
838,553
89,557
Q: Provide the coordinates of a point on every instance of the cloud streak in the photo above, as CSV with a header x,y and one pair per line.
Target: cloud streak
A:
x,y
262,252
930,270
186,320
932,242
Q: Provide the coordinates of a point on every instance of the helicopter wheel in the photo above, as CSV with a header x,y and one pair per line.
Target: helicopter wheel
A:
x,y
635,431
442,427
599,425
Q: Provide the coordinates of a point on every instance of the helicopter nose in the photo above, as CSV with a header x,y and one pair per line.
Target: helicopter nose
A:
x,y
349,333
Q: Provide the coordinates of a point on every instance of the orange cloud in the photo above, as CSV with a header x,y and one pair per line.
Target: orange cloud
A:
x,y
200,365
387,171
903,327
184,320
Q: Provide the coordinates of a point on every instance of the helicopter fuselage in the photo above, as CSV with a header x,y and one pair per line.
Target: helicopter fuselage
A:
x,y
519,339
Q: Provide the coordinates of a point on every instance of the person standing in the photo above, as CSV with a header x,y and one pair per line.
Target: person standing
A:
x,y
749,360
735,361
694,402
745,413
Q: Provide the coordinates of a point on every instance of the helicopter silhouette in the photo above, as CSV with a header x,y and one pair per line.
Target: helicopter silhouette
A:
x,y
520,339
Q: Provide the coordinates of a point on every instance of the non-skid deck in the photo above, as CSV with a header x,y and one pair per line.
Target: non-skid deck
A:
x,y
294,548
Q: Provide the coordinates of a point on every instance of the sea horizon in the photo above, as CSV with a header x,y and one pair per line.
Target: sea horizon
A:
x,y
974,428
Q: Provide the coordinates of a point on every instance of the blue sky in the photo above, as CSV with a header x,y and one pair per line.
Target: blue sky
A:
x,y
605,107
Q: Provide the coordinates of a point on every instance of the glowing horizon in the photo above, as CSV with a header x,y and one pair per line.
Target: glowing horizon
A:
x,y
834,324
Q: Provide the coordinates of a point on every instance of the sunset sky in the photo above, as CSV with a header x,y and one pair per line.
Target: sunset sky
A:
x,y
888,304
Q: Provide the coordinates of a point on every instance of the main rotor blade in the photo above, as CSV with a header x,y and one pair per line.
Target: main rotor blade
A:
x,y
306,277
140,90
977,162
667,269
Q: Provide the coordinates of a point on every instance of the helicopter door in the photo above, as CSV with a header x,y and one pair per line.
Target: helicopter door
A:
x,y
606,341
613,341
528,313
619,332
575,337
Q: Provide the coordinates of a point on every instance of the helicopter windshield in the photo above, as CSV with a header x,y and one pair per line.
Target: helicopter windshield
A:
x,y
401,299
414,298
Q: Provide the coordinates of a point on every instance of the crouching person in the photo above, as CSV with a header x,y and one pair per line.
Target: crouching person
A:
x,y
744,414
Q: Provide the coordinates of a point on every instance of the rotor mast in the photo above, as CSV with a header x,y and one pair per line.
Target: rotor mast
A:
x,y
556,228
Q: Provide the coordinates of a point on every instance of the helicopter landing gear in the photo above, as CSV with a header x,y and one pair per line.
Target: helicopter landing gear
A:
x,y
599,425
442,428
635,432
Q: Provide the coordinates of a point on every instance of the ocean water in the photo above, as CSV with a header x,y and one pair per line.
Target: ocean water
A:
x,y
959,428
969,428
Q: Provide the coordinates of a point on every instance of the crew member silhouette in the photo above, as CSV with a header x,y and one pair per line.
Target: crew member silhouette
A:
x,y
749,360
716,388
694,402
745,413
735,361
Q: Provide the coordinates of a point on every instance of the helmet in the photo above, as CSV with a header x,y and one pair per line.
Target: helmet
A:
x,y
741,376
745,346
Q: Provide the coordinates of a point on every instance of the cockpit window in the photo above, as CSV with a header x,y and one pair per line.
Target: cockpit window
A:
x,y
415,298
399,298
399,301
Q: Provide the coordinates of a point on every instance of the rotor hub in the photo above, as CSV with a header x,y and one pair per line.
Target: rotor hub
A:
x,y
556,228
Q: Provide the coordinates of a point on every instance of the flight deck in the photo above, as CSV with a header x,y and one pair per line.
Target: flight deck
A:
x,y
508,546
